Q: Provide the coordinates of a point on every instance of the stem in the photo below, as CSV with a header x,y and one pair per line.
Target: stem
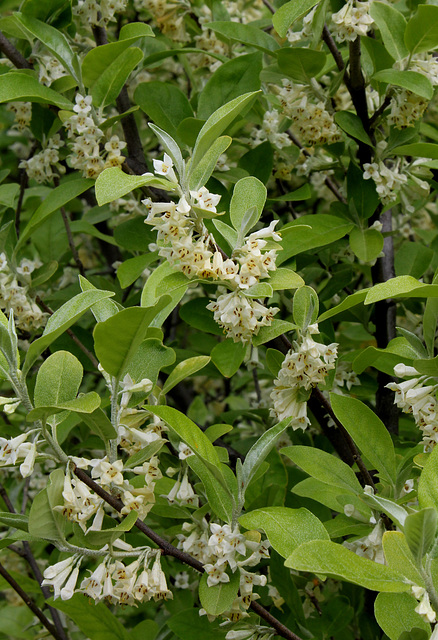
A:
x,y
168,549
24,180
31,604
13,54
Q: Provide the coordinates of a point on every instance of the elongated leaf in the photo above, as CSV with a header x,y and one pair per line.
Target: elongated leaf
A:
x,y
352,124
334,560
428,483
248,192
86,403
217,123
183,370
325,467
286,528
164,103
348,302
169,145
399,557
208,163
54,40
58,379
15,520
101,310
301,64
395,613
410,80
113,183
131,269
420,530
107,536
144,454
392,27
245,33
396,512
309,232
56,199
108,86
422,29
17,86
418,149
401,287
227,356
99,423
94,620
289,12
368,432
61,320
218,497
220,597
117,339
44,521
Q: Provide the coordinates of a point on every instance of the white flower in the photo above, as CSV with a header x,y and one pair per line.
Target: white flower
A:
x,y
165,168
26,467
425,610
56,575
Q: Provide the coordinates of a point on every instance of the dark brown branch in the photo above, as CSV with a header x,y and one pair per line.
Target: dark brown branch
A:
x,y
31,604
168,549
27,554
24,181
268,5
8,49
73,336
331,44
376,115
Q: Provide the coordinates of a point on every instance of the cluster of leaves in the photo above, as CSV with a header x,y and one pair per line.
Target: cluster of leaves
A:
x,y
349,505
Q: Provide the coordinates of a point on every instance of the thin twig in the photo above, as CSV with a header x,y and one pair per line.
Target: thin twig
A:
x,y
376,115
71,242
268,5
168,549
30,603
73,336
24,181
13,54
331,44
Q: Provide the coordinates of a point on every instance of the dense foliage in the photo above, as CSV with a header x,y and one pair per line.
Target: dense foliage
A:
x,y
218,294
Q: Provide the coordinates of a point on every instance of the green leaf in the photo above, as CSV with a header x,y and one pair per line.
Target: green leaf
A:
x,y
164,280
14,520
8,194
117,339
58,379
208,163
259,290
347,303
107,536
247,193
286,528
188,625
61,320
57,198
289,12
399,557
228,356
428,483
430,317
352,124
113,183
392,27
410,80
130,270
169,145
309,232
195,314
99,59
227,232
54,40
217,123
305,307
368,432
55,12
361,193
183,370
395,613
330,496
418,149
301,64
245,33
216,431
325,467
401,287
422,29
103,309
164,103
218,496
144,454
44,521
412,259
94,620
420,529
277,328
86,403
18,86
231,80
109,84
150,358
257,454
334,560
220,597
302,193
395,511
99,423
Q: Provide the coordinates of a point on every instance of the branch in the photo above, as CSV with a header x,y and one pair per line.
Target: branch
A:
x,y
27,554
13,54
168,549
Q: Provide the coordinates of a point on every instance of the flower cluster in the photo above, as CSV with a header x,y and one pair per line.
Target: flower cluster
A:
x,y
270,131
388,181
406,108
312,122
305,365
351,21
186,243
224,550
168,15
14,297
370,546
413,396
98,12
182,492
50,69
23,115
424,608
17,449
44,166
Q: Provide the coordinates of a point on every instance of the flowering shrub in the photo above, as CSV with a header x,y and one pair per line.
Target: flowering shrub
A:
x,y
218,283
